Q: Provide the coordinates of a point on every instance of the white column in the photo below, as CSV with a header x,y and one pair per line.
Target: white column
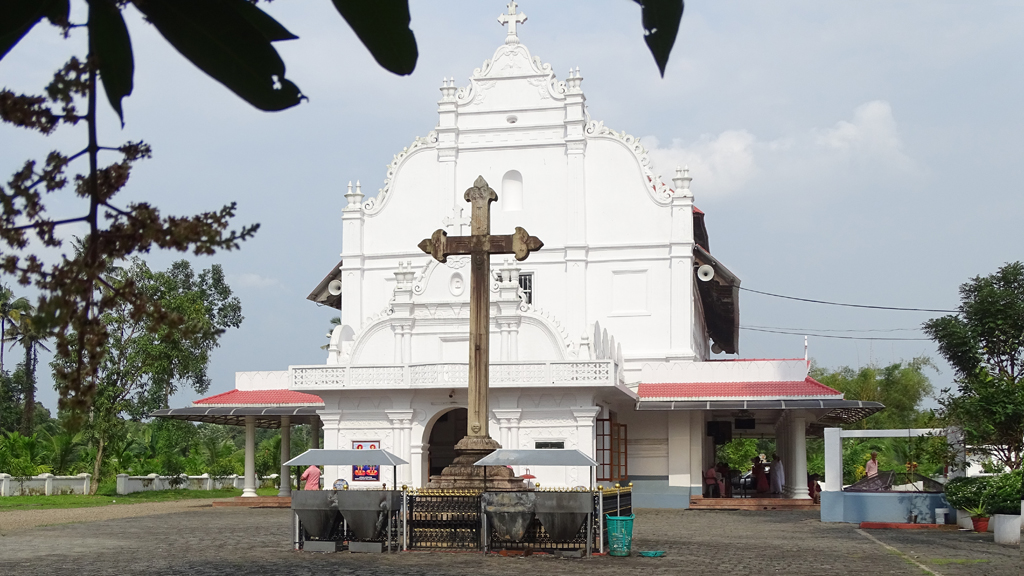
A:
x,y
576,250
796,473
679,447
352,220
285,491
401,431
418,458
249,488
330,422
682,293
504,347
833,460
508,426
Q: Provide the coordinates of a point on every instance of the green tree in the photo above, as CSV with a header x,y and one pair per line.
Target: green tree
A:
x,y
232,42
11,309
10,402
146,361
29,334
901,387
984,343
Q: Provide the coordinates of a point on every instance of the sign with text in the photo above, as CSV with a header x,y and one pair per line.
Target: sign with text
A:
x,y
365,473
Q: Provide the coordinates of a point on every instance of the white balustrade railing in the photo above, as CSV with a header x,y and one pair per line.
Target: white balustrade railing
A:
x,y
44,485
447,374
130,484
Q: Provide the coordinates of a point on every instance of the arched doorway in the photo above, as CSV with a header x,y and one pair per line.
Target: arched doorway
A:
x,y
446,432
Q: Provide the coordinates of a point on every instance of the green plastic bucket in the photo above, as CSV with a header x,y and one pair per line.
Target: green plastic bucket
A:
x,y
620,534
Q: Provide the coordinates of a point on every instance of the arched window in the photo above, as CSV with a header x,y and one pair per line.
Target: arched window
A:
x,y
511,197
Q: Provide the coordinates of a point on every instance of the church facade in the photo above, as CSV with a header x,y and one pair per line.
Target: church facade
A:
x,y
607,340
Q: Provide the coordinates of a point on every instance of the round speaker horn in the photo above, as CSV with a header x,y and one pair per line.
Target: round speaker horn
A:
x,y
716,348
334,287
705,273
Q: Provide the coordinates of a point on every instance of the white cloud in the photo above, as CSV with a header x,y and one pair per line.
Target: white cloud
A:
x,y
871,132
727,162
250,280
724,163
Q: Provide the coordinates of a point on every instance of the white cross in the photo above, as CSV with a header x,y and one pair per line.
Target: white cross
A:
x,y
457,219
512,19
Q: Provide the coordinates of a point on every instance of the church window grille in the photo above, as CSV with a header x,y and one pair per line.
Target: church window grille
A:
x,y
526,285
549,445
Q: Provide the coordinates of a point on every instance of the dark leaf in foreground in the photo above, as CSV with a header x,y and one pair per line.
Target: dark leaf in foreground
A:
x,y
383,27
112,48
661,25
219,37
17,17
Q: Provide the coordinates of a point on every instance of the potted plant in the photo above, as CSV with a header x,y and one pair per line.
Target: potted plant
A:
x,y
964,493
979,517
1002,499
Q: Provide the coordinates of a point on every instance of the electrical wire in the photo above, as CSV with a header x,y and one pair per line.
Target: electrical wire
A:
x,y
850,305
829,335
834,330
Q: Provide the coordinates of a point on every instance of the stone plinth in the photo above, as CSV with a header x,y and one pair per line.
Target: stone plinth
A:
x,y
463,475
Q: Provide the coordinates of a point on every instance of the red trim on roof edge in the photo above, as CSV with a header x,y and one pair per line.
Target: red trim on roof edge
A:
x,y
681,391
245,397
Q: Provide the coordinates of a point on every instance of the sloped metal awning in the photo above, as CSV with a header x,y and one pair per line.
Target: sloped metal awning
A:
x,y
838,411
266,416
327,457
537,457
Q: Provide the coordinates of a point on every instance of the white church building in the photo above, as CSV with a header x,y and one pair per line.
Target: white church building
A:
x,y
607,340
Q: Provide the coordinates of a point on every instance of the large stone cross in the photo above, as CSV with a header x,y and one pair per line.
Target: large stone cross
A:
x,y
480,245
511,18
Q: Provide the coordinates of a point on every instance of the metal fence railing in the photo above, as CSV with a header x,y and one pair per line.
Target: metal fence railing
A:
x,y
443,519
430,519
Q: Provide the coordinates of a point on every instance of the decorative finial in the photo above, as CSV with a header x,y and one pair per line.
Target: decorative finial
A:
x,y
574,80
511,19
682,180
355,199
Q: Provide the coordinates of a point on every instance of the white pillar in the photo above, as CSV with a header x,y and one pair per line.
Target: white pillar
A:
x,y
833,460
401,432
682,293
285,490
796,476
249,488
418,452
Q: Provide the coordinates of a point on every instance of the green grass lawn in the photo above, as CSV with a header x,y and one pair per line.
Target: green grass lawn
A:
x,y
78,501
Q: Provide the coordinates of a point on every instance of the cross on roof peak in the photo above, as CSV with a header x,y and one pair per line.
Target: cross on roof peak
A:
x,y
511,18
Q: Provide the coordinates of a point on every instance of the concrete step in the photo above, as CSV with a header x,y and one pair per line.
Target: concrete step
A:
x,y
751,504
256,502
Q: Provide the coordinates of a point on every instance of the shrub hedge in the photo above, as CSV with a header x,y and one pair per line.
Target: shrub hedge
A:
x,y
1004,493
963,493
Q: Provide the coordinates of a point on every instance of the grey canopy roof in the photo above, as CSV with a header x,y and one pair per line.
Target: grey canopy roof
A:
x,y
325,457
266,416
537,457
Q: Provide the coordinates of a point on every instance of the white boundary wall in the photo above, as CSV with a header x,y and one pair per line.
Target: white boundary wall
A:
x,y
129,484
44,485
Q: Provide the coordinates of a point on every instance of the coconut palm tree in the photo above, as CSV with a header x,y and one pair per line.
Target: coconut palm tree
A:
x,y
11,310
27,334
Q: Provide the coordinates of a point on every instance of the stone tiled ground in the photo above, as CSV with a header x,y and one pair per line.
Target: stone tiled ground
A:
x,y
223,541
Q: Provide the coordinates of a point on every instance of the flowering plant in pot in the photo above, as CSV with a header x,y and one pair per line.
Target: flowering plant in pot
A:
x,y
979,516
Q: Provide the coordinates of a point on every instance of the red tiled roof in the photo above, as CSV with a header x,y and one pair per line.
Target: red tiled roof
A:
x,y
694,390
697,210
262,397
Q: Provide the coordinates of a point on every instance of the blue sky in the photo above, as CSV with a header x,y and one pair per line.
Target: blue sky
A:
x,y
865,152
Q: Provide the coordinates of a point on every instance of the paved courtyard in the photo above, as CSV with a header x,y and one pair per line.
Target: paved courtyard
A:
x,y
224,541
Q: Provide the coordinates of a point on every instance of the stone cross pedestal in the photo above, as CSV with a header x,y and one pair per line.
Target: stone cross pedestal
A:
x,y
479,246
